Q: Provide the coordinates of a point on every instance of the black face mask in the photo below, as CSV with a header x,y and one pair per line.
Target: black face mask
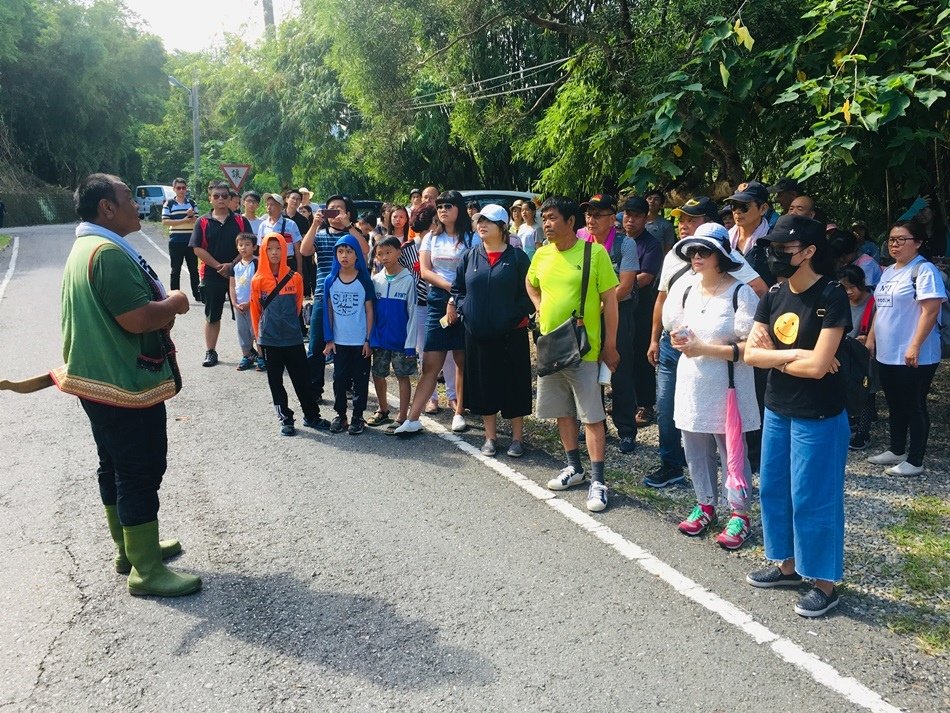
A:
x,y
780,263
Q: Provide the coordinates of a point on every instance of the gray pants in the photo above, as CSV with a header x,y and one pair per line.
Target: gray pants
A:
x,y
245,331
703,465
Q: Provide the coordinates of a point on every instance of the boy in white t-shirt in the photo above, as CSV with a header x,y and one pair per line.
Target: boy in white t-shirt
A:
x,y
240,292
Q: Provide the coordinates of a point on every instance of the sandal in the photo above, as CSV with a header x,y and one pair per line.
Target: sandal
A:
x,y
378,418
391,428
432,408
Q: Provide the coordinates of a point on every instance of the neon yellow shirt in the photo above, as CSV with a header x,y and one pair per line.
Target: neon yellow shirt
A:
x,y
558,275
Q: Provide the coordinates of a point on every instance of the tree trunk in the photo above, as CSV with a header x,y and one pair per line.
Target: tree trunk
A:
x,y
268,17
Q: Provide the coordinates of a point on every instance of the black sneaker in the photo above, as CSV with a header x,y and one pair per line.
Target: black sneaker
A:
x,y
211,358
816,602
664,476
338,424
628,444
773,577
318,423
860,441
287,429
357,427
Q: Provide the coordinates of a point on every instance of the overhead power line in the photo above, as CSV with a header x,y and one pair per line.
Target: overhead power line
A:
x,y
521,73
473,98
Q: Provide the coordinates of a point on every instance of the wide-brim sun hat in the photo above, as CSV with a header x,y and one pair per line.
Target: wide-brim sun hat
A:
x,y
711,236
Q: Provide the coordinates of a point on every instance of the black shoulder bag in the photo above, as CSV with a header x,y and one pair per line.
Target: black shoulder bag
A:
x,y
564,346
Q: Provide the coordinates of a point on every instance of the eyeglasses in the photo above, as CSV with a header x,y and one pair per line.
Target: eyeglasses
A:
x,y
444,206
180,187
219,196
897,241
598,216
701,252
740,207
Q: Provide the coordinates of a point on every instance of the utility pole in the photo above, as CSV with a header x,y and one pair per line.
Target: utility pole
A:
x,y
195,135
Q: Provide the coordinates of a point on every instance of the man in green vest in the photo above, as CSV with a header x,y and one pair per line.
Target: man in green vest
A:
x,y
120,362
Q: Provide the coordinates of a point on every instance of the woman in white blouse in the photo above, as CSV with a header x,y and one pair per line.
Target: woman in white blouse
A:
x,y
906,344
714,318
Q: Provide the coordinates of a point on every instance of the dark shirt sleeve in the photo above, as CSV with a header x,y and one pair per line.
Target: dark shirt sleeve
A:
x,y
652,259
195,240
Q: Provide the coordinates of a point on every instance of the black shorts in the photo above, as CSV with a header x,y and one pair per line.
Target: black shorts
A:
x,y
213,293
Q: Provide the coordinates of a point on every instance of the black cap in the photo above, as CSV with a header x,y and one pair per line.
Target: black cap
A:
x,y
635,204
698,207
601,200
750,191
789,228
414,191
785,184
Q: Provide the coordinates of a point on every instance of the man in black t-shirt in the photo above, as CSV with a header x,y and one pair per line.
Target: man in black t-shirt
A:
x,y
213,240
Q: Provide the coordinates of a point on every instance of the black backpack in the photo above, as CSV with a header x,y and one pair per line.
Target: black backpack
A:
x,y
854,359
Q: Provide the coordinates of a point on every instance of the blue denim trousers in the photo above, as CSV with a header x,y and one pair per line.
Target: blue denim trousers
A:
x,y
315,359
802,492
671,447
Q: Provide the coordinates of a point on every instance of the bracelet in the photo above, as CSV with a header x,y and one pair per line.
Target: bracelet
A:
x,y
735,352
783,367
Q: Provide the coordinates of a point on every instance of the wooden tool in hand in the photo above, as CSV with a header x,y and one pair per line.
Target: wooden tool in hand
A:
x,y
27,386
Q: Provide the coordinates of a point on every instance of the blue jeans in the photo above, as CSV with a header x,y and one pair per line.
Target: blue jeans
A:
x,y
315,359
802,491
671,447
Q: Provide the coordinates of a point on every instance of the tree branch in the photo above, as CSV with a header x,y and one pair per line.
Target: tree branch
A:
x,y
461,37
557,82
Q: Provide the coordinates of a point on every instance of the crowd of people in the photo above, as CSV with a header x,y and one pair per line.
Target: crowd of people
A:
x,y
725,332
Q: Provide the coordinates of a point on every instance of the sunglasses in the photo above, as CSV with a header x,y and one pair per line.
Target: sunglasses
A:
x,y
598,215
776,252
444,206
219,196
740,207
701,252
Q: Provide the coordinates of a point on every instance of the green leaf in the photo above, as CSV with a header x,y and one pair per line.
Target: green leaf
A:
x,y
895,108
928,96
786,97
724,73
695,87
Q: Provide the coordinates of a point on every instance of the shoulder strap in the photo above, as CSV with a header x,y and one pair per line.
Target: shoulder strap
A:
x,y
869,309
915,271
825,296
685,294
677,275
277,288
735,298
585,278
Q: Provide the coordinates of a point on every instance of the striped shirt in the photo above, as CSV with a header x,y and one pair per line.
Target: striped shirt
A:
x,y
409,259
178,211
324,245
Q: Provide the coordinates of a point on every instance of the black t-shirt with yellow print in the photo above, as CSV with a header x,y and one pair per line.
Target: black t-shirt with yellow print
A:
x,y
794,323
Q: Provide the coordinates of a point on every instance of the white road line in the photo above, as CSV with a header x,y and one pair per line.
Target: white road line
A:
x,y
9,274
784,648
154,244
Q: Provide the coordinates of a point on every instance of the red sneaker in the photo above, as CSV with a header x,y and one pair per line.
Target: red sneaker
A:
x,y
699,519
735,533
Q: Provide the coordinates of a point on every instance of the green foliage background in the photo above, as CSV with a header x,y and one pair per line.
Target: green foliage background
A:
x,y
370,98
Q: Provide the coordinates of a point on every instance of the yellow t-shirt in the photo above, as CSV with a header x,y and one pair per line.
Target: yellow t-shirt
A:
x,y
558,275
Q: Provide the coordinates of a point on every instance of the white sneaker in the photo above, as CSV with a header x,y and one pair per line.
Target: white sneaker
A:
x,y
597,497
458,423
904,468
407,428
886,458
567,478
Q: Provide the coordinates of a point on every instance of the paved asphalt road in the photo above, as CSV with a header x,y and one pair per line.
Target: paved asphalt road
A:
x,y
368,573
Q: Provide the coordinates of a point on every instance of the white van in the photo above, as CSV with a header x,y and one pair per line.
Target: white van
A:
x,y
148,196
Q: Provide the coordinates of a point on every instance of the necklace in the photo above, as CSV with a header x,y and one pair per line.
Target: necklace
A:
x,y
704,305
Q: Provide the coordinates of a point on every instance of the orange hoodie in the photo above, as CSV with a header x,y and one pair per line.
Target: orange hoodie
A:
x,y
280,328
